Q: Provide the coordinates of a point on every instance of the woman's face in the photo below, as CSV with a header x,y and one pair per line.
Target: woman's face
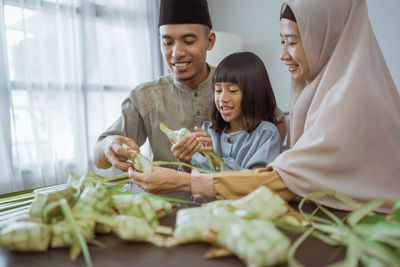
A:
x,y
292,53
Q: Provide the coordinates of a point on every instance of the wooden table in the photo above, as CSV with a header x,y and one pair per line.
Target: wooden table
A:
x,y
118,253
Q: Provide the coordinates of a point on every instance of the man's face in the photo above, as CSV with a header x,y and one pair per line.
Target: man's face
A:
x,y
184,47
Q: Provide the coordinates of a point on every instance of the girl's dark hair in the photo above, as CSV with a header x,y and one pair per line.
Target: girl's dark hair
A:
x,y
258,100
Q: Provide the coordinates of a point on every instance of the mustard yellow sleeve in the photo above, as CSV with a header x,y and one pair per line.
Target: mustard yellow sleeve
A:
x,y
237,184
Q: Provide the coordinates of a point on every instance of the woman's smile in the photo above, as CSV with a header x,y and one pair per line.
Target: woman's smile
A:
x,y
292,67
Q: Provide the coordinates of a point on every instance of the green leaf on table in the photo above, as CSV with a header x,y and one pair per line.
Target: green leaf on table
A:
x,y
364,210
371,219
396,210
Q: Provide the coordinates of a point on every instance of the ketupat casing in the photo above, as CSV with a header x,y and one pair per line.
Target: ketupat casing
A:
x,y
160,206
130,228
145,207
174,135
25,236
256,242
192,225
45,196
135,205
262,203
62,235
103,228
141,205
93,199
141,163
199,224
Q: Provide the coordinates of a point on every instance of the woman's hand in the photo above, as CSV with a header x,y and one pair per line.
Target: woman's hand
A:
x,y
161,180
203,137
185,149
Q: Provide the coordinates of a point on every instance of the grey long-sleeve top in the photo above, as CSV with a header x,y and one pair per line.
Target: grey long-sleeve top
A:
x,y
242,150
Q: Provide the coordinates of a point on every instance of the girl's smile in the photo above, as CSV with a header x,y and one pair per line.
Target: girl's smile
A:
x,y
225,110
228,100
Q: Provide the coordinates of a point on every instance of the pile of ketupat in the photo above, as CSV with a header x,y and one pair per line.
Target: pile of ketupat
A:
x,y
242,227
247,227
70,216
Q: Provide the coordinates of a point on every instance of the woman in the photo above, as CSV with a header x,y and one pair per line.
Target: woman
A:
x,y
345,114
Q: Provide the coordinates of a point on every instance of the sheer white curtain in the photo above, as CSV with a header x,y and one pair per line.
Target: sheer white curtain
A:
x,y
67,66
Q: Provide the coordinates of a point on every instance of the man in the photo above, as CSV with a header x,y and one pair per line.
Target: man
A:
x,y
181,99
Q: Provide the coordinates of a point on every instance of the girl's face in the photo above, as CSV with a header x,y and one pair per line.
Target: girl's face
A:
x,y
228,98
292,53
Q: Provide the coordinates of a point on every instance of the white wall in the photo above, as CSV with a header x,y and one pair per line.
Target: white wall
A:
x,y
257,21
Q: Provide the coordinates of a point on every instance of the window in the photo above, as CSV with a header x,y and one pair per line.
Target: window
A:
x,y
68,66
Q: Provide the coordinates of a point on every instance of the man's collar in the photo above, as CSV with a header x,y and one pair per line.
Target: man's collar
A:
x,y
206,84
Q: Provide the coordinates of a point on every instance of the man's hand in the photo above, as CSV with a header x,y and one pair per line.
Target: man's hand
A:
x,y
161,180
110,152
185,149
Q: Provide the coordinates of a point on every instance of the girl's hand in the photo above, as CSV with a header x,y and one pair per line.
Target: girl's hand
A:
x,y
185,149
203,137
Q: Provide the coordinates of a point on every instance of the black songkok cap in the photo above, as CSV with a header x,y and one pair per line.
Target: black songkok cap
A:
x,y
184,12
288,14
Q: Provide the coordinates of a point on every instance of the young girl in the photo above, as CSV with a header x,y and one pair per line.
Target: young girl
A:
x,y
242,130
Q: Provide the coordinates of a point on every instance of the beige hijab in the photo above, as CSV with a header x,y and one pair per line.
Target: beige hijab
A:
x,y
345,122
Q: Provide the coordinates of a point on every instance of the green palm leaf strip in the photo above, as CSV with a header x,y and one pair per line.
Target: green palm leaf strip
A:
x,y
145,165
176,135
74,226
370,239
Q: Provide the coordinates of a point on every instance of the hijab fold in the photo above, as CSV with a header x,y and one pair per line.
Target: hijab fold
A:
x,y
345,121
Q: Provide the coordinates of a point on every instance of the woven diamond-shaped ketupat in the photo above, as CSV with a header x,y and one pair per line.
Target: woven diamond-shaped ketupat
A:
x,y
62,235
69,214
45,196
256,242
145,207
239,226
25,236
